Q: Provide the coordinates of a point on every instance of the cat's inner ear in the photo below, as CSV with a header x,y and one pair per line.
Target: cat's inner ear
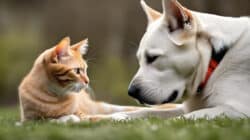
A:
x,y
63,48
82,47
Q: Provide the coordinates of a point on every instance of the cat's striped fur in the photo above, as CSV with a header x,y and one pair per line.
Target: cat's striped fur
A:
x,y
55,87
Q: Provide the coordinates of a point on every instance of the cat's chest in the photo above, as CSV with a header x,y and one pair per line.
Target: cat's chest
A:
x,y
47,106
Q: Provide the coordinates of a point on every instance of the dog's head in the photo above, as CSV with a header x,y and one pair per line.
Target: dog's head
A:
x,y
167,55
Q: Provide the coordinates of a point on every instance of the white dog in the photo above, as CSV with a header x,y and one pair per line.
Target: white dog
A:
x,y
200,59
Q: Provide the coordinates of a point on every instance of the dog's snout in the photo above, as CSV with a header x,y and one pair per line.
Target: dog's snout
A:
x,y
134,91
172,97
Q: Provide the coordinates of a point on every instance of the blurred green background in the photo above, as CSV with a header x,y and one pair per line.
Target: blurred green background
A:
x,y
114,29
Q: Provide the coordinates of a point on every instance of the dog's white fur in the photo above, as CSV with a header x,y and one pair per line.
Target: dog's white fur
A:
x,y
183,59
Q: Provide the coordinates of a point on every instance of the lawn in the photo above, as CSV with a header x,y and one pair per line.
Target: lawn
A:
x,y
146,129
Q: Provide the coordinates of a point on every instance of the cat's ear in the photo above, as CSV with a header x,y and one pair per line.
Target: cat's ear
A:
x,y
151,14
63,48
82,47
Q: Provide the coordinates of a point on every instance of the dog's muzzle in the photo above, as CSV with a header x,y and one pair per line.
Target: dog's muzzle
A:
x,y
134,91
137,93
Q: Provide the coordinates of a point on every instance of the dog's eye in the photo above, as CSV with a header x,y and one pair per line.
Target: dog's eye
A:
x,y
151,58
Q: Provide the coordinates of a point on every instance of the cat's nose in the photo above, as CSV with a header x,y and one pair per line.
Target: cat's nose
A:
x,y
85,79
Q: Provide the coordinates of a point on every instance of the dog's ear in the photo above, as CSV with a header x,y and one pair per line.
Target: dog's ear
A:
x,y
179,20
82,47
151,14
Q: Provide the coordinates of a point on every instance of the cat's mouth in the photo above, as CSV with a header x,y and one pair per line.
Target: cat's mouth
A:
x,y
77,87
71,88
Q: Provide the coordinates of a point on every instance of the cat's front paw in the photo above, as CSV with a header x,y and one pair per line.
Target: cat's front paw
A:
x,y
120,117
68,118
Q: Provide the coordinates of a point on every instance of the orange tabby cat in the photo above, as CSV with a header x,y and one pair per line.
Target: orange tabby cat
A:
x,y
54,88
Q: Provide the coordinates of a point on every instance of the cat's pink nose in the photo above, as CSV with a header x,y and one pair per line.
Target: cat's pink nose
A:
x,y
85,79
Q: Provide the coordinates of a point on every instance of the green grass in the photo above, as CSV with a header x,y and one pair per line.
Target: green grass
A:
x,y
147,129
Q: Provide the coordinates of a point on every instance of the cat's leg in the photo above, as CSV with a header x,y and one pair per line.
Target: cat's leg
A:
x,y
141,113
107,111
96,118
105,108
67,118
149,112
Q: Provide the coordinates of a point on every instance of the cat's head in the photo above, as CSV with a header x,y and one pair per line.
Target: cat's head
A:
x,y
66,68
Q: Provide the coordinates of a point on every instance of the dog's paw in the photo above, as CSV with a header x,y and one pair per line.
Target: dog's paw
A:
x,y
120,117
68,118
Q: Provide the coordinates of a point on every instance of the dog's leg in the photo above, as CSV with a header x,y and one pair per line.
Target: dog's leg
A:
x,y
211,113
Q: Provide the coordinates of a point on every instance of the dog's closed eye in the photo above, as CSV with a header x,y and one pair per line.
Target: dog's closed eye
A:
x,y
151,58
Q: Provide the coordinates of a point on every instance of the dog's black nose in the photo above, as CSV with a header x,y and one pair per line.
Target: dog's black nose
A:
x,y
134,91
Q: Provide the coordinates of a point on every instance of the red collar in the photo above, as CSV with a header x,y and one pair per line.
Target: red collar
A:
x,y
216,58
212,66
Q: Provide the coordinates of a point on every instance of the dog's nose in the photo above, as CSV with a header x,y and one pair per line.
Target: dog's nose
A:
x,y
134,91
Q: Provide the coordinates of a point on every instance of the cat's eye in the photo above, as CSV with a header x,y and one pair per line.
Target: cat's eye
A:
x,y
77,70
151,58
